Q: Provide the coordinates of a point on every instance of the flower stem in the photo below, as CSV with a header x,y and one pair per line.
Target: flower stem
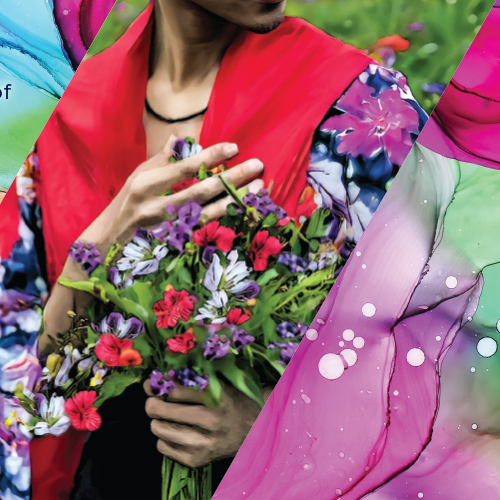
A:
x,y
182,483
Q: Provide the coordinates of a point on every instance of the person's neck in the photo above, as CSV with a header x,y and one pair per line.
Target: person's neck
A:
x,y
188,45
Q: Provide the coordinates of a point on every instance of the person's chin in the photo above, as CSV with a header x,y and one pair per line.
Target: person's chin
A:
x,y
267,23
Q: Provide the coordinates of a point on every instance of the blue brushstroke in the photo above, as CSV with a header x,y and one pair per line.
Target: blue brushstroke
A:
x,y
31,47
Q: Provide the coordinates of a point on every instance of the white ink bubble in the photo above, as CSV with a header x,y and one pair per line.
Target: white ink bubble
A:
x,y
472,369
341,454
474,426
312,334
358,342
438,337
368,310
451,282
341,343
350,356
306,399
396,393
498,325
321,321
415,357
331,366
486,347
348,335
358,254
363,266
420,495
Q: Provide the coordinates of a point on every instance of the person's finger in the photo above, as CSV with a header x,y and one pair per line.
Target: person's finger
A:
x,y
194,415
147,388
181,456
218,209
208,189
213,155
180,435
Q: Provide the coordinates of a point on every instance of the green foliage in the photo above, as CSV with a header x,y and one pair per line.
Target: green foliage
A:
x,y
436,51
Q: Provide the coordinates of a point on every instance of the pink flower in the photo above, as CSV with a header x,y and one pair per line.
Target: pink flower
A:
x,y
263,246
183,342
175,306
110,348
237,316
82,414
215,234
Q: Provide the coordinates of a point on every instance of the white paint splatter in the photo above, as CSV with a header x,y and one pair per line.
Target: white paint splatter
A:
x,y
368,310
331,366
451,282
415,357
486,347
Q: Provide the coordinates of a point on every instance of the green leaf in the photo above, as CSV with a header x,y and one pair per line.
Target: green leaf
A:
x,y
240,379
265,278
116,383
112,253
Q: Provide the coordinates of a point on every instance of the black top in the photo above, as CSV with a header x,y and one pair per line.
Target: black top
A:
x,y
120,459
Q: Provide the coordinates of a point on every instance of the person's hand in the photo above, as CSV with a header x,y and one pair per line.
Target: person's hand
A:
x,y
193,434
140,203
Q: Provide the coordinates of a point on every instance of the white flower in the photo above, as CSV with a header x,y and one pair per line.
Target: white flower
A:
x,y
139,256
72,357
56,422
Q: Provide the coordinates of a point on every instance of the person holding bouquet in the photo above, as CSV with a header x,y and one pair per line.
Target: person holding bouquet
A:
x,y
271,102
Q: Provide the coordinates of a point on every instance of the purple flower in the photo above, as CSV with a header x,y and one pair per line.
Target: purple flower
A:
x,y
184,148
416,26
246,290
263,204
293,262
139,256
287,350
118,279
302,329
287,330
116,324
371,123
241,338
217,347
189,378
208,254
189,214
433,88
86,255
177,230
161,385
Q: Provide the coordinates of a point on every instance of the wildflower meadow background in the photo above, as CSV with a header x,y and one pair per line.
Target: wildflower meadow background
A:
x,y
439,33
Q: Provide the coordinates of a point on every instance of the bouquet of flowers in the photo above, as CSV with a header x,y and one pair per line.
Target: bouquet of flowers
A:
x,y
187,303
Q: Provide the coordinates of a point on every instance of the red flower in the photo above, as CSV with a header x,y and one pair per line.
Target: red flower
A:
x,y
263,246
213,233
395,42
110,348
82,414
183,342
237,316
175,306
130,357
180,186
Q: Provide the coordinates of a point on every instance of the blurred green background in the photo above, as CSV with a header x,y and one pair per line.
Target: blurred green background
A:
x,y
439,31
